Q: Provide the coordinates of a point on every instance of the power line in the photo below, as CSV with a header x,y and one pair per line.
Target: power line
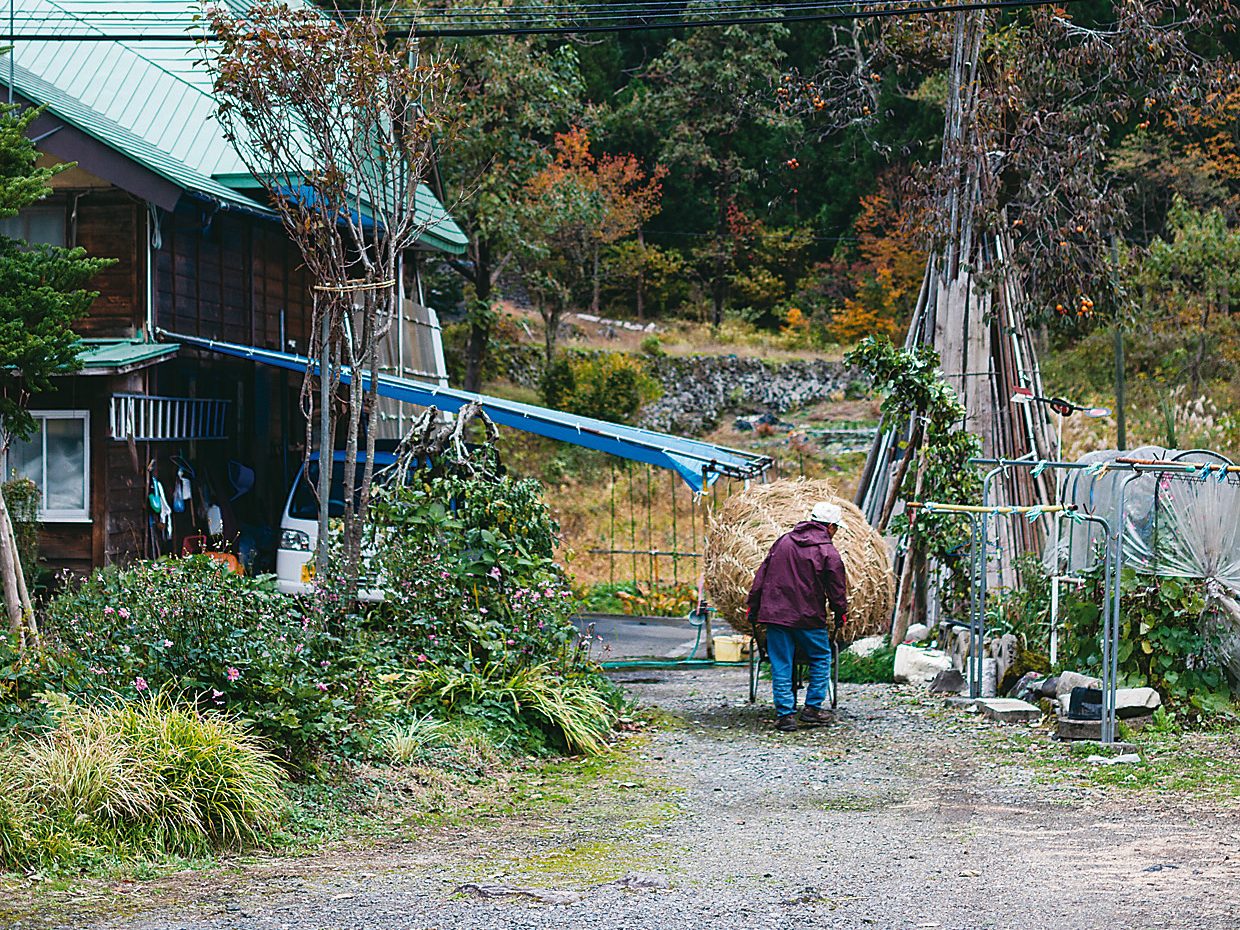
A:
x,y
750,16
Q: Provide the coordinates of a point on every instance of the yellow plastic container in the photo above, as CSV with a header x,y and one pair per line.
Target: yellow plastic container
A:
x,y
732,647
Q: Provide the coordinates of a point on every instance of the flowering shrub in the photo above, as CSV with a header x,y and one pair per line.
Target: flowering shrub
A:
x,y
467,567
230,642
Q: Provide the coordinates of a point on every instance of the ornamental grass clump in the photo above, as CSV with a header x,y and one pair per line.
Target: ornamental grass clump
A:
x,y
146,778
573,711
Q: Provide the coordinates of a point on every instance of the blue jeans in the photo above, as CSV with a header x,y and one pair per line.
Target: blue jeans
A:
x,y
781,646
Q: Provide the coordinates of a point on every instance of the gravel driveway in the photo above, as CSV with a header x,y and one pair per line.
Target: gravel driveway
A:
x,y
895,817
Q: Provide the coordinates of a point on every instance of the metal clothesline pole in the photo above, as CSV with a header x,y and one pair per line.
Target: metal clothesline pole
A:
x,y
1110,587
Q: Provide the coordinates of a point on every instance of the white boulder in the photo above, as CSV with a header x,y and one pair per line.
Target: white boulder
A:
x,y
919,666
917,633
867,647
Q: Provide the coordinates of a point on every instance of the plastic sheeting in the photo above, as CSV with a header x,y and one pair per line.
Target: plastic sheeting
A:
x,y
1174,525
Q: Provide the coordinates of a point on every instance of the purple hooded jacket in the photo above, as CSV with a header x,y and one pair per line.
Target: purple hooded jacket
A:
x,y
801,576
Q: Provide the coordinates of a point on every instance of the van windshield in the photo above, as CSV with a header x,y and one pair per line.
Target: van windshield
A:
x,y
305,502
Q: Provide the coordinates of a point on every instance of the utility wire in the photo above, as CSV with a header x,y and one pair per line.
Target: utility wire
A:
x,y
737,16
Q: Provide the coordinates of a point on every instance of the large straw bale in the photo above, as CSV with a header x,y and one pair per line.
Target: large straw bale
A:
x,y
741,532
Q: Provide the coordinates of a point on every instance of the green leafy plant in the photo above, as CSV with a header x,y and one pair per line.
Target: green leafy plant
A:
x,y
570,709
878,667
605,385
1163,640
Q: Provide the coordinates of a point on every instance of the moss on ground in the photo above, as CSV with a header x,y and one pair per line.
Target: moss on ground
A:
x,y
1196,766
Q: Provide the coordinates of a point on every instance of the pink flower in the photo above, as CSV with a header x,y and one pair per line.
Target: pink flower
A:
x,y
482,610
494,572
443,574
324,664
124,613
511,642
233,674
108,611
321,686
421,658
216,694
140,684
167,643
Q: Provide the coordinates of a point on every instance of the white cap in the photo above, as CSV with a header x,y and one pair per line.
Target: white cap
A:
x,y
827,512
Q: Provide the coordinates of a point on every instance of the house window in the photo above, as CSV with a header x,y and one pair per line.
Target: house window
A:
x,y
56,458
36,225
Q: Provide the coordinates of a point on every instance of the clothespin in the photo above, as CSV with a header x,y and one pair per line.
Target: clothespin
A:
x,y
1038,469
1033,514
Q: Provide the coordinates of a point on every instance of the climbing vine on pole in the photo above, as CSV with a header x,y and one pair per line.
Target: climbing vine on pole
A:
x,y
915,391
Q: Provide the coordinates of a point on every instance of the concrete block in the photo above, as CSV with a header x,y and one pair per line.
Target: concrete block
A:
x,y
1009,710
1074,730
919,666
1136,702
1069,680
867,647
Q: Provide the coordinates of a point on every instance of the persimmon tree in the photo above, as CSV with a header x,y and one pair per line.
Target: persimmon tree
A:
x,y
572,209
338,125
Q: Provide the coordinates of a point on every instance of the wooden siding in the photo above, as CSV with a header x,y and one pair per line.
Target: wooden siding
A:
x,y
111,224
230,276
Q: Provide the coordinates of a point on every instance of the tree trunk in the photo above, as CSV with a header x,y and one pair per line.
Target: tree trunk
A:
x,y
641,277
594,280
327,438
22,591
551,322
913,560
10,570
480,323
718,285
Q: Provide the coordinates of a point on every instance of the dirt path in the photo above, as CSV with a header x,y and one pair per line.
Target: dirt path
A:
x,y
896,817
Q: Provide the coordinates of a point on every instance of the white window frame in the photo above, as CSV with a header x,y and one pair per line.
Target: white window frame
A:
x,y
62,516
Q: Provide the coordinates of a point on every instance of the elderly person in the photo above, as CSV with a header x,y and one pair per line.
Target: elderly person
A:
x,y
801,578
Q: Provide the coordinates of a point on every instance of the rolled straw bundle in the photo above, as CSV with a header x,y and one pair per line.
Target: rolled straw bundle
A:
x,y
741,532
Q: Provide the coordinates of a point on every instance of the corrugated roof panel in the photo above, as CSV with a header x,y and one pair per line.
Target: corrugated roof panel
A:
x,y
152,103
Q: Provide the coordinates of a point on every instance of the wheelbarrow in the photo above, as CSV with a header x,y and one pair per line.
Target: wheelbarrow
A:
x,y
800,667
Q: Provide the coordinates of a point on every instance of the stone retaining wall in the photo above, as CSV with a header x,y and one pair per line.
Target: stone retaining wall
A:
x,y
699,390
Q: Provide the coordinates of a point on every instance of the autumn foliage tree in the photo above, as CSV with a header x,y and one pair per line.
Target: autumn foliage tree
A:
x,y
573,208
889,271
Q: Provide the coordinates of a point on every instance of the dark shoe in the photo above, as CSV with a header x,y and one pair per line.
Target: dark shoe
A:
x,y
787,723
815,717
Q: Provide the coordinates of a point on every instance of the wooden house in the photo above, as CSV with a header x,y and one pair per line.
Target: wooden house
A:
x,y
157,187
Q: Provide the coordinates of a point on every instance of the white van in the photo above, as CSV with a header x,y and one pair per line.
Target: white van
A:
x,y
299,525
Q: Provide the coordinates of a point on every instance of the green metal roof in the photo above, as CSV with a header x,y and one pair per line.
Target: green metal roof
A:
x,y
117,356
152,100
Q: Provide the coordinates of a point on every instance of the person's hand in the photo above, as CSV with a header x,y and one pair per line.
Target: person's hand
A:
x,y
840,622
